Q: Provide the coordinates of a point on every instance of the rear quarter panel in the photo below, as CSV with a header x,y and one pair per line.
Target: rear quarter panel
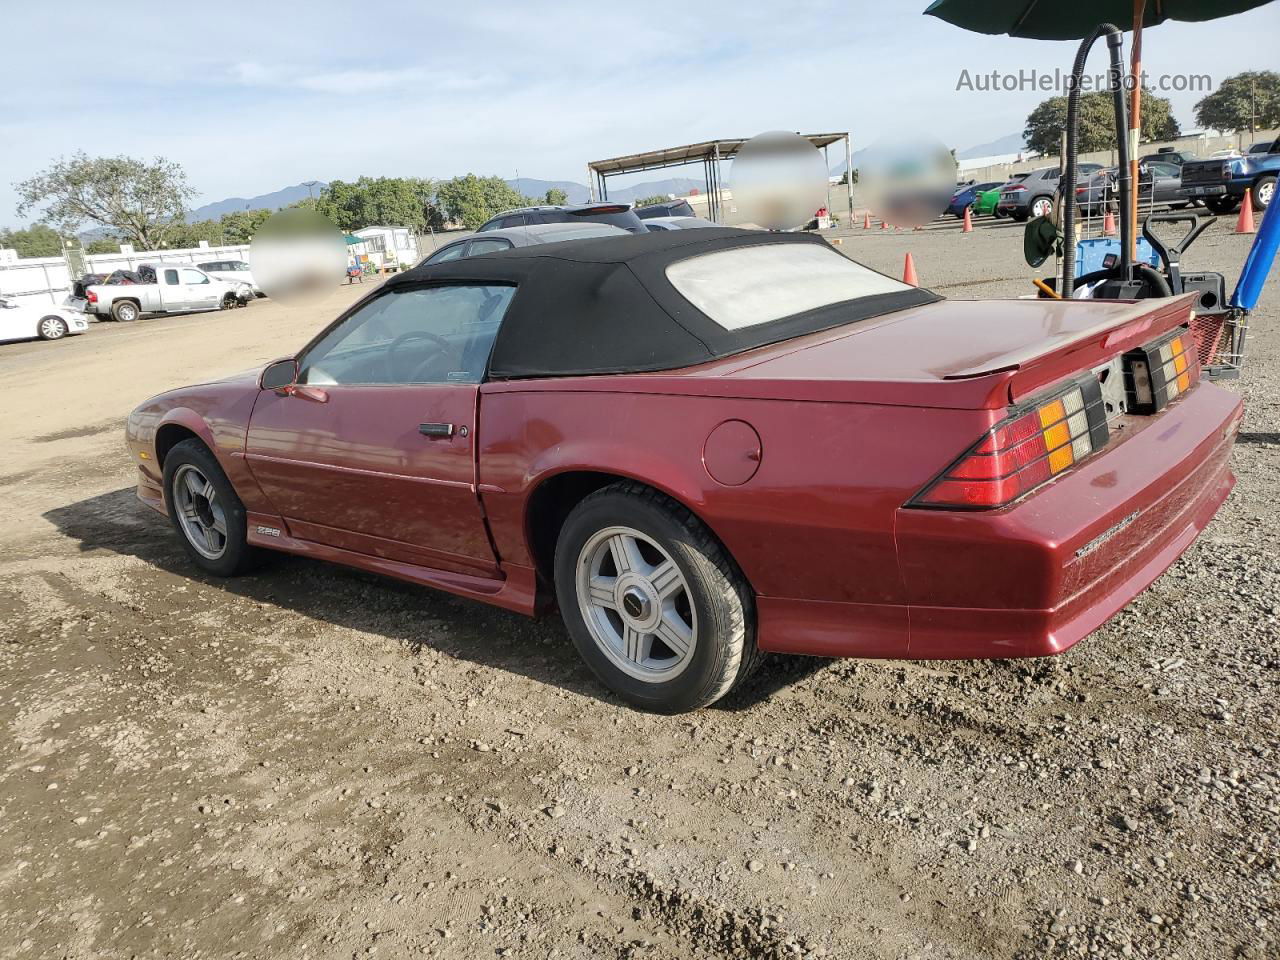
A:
x,y
816,521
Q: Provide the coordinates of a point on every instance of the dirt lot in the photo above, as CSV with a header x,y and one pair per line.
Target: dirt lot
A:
x,y
315,762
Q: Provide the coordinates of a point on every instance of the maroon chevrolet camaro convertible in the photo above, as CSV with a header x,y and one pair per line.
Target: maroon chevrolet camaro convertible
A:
x,y
709,443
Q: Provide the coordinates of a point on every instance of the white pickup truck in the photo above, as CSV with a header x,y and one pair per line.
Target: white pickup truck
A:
x,y
167,288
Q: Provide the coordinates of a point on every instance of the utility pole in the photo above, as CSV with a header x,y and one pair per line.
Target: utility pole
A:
x,y
309,184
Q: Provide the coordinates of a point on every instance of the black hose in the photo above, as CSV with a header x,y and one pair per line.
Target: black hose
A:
x,y
1115,41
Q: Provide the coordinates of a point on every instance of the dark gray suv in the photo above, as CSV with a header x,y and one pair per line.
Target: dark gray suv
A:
x,y
614,214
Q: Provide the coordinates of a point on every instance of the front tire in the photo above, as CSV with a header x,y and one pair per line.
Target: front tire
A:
x,y
653,603
204,509
52,328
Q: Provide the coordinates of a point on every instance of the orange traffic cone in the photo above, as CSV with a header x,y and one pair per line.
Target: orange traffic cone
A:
x,y
1245,222
1109,225
968,221
909,272
866,220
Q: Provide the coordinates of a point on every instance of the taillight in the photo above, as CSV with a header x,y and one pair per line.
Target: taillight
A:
x,y
1029,448
1159,371
1015,189
91,296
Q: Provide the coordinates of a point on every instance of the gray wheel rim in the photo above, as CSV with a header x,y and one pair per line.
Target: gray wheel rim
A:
x,y
1041,208
127,312
51,328
636,604
1266,192
203,521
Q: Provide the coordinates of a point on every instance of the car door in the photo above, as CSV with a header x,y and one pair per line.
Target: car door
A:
x,y
17,322
201,292
174,294
374,449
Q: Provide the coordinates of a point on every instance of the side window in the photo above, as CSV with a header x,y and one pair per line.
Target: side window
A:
x,y
194,277
171,277
448,253
492,245
412,335
518,220
556,216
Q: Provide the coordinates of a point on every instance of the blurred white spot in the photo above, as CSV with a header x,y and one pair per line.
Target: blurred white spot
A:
x,y
297,255
779,180
906,182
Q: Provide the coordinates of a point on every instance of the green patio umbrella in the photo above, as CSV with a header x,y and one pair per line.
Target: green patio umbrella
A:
x,y
1075,20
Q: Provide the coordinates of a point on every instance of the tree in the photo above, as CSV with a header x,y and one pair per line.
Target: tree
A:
x,y
103,245
472,200
38,240
239,226
1247,101
183,235
650,201
141,201
1046,122
388,201
556,197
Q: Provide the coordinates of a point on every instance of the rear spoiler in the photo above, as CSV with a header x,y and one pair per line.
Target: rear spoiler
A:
x,y
1053,360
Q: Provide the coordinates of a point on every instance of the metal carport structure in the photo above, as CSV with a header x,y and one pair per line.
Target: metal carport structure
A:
x,y
709,153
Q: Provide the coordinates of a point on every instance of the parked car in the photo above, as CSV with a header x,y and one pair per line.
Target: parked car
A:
x,y
706,444
27,321
1168,155
985,203
965,197
654,224
1033,195
495,241
614,214
1158,183
235,270
164,288
1221,183
672,208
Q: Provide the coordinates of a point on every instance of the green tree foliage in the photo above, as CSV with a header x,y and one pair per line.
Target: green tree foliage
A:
x,y
1249,100
472,200
103,245
378,201
139,200
1046,122
239,226
38,240
182,235
650,201
556,197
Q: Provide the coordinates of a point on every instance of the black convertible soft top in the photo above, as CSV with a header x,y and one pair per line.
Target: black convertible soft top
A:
x,y
605,305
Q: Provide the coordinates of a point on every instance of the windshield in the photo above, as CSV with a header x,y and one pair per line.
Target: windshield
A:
x,y
748,286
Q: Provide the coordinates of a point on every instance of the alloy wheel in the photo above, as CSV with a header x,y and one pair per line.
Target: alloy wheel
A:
x,y
636,604
1042,207
203,521
51,328
1265,192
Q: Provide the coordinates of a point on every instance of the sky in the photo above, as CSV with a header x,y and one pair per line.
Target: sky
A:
x,y
252,97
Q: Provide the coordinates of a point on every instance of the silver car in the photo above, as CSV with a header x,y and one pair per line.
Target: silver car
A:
x,y
494,241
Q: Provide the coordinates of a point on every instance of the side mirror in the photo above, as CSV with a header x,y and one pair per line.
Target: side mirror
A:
x,y
280,374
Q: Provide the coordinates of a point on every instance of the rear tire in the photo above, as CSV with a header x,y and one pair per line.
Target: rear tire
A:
x,y
674,582
230,301
205,511
1264,189
125,311
1040,207
52,328
1000,214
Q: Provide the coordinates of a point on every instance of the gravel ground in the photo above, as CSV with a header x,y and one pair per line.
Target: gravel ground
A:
x,y
315,762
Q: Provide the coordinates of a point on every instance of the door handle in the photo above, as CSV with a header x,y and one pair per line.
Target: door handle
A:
x,y
314,394
436,429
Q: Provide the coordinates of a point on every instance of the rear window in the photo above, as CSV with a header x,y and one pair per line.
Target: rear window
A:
x,y
625,218
748,286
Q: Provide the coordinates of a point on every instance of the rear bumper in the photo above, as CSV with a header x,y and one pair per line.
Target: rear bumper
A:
x,y
1034,578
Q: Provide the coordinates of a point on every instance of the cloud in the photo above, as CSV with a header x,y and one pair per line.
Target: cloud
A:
x,y
357,80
